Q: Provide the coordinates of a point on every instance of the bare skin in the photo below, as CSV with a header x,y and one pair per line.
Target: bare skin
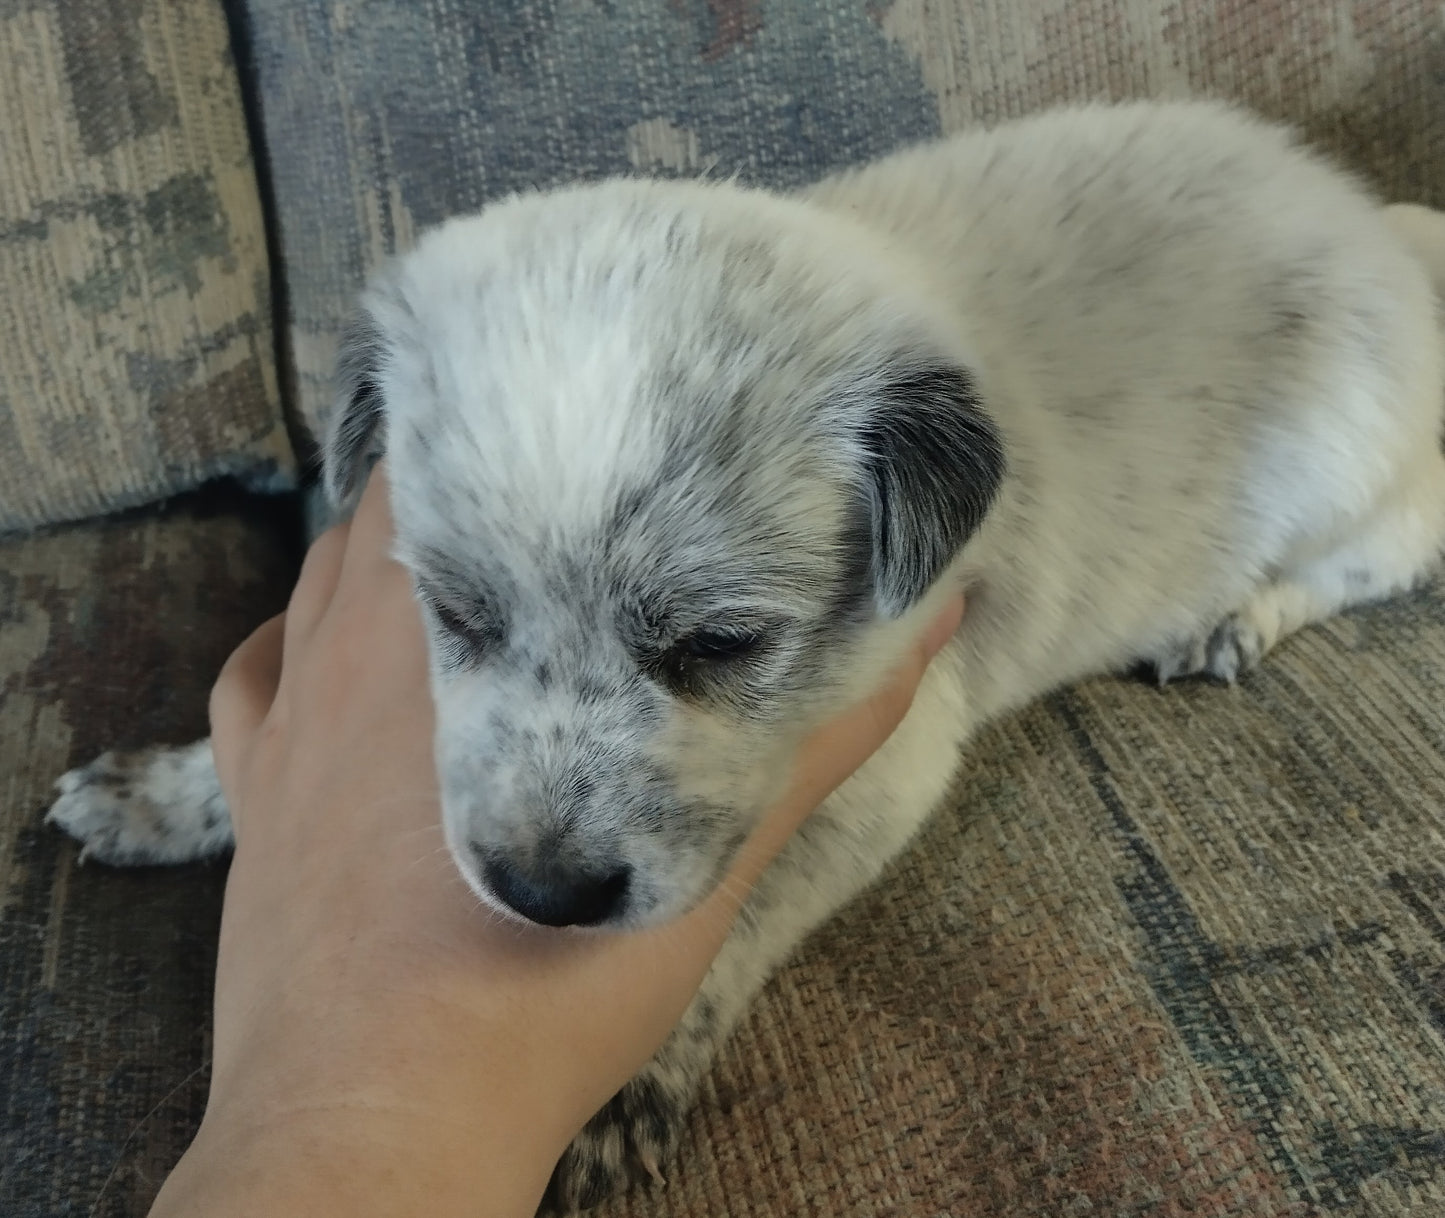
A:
x,y
383,1045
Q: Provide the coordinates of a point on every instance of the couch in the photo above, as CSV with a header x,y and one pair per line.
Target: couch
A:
x,y
1165,953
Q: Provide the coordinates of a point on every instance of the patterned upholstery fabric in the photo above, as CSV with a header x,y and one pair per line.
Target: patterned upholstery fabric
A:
x,y
135,311
1166,953
383,117
1169,953
110,635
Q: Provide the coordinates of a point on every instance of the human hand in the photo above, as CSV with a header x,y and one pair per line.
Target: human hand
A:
x,y
375,1030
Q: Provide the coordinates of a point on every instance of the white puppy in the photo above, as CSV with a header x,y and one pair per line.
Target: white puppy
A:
x,y
680,468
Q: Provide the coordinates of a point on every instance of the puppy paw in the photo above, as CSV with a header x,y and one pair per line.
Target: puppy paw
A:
x,y
632,1138
160,805
1233,647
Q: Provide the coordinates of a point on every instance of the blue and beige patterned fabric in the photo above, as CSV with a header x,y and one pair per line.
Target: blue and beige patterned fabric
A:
x,y
384,117
111,632
135,319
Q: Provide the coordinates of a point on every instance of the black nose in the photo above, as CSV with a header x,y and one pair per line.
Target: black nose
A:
x,y
554,895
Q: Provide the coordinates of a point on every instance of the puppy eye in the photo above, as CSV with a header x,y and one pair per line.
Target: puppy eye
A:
x,y
688,664
715,645
470,633
711,661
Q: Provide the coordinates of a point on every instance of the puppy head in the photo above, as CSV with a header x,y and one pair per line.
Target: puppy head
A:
x,y
675,468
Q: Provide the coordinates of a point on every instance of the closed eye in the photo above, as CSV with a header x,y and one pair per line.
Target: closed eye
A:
x,y
469,632
718,645
692,663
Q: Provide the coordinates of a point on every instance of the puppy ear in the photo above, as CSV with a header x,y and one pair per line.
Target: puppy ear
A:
x,y
355,433
934,462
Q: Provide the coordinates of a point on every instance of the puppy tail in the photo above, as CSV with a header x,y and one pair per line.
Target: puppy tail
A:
x,y
1422,229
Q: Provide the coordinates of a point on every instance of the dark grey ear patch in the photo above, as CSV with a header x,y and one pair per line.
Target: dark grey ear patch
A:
x,y
935,461
355,433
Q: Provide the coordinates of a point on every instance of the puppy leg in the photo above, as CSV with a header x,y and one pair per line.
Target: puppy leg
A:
x,y
636,1134
156,805
840,850
1389,552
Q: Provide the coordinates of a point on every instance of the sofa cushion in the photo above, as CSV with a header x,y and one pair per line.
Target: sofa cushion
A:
x,y
383,117
1166,952
110,635
135,317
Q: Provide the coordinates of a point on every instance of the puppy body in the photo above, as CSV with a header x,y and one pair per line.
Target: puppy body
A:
x,y
681,468
1214,366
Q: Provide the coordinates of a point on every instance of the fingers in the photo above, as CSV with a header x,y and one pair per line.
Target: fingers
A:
x,y
245,690
246,687
347,551
890,704
375,592
850,739
834,752
316,584
243,694
368,552
372,518
945,625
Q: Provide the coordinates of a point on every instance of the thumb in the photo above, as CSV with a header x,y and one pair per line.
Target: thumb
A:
x,y
243,694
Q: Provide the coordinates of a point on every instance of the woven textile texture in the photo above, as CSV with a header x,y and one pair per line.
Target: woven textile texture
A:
x,y
110,636
1168,953
135,310
383,117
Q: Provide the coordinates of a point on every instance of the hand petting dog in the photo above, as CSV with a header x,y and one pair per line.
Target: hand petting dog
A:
x,y
384,1042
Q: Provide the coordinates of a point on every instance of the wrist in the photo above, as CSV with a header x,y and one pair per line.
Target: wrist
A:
x,y
410,1103
358,1159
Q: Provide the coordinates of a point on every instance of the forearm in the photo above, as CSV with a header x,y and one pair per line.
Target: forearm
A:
x,y
402,1110
358,1164
365,1162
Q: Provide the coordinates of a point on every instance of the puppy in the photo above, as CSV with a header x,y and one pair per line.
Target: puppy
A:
x,y
680,468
